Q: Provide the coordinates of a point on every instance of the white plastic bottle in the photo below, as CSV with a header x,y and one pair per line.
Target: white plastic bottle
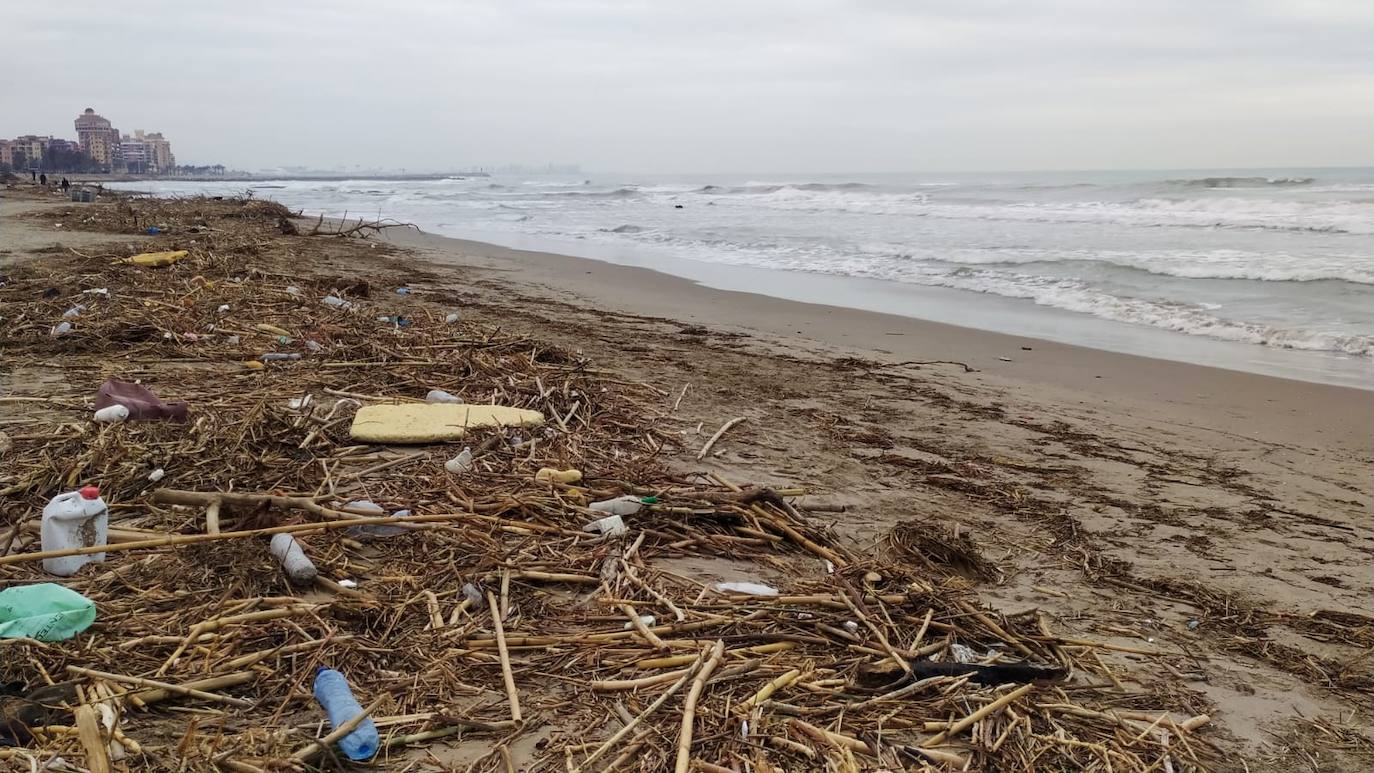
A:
x,y
626,505
77,519
293,559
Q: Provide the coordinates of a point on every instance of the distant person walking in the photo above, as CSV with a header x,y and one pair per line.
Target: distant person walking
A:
x,y
43,179
66,186
34,174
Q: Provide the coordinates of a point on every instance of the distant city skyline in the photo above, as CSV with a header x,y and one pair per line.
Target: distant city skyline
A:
x,y
99,147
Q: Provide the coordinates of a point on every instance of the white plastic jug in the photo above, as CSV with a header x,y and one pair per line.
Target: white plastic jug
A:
x,y
77,519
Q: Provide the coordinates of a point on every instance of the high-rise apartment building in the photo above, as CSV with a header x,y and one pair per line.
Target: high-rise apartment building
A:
x,y
99,139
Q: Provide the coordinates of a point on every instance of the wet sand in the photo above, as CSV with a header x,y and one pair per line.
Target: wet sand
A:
x,y
1170,392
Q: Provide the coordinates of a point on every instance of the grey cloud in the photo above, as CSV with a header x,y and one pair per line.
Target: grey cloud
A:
x,y
801,85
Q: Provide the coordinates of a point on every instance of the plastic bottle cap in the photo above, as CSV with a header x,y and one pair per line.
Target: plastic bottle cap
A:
x,y
90,492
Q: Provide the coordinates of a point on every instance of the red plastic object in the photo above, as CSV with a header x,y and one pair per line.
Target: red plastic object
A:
x,y
90,492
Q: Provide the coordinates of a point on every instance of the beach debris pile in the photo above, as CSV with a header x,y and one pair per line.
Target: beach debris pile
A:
x,y
538,595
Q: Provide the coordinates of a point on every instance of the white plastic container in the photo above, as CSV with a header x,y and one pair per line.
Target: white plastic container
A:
x,y
112,414
611,526
297,564
440,396
77,519
626,505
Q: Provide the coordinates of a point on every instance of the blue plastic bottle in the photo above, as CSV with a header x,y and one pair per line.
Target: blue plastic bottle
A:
x,y
331,690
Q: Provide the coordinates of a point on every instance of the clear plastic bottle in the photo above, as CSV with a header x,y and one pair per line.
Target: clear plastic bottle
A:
x,y
77,519
461,463
293,559
626,505
440,396
331,690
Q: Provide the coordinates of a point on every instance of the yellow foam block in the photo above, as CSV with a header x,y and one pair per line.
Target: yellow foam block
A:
x,y
156,259
432,423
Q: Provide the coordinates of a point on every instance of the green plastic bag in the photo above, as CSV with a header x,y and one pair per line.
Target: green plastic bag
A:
x,y
46,612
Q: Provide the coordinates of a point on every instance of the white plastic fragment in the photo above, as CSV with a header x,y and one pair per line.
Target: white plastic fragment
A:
x,y
440,396
460,463
747,588
611,526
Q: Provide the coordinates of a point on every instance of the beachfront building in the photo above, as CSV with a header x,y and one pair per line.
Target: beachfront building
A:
x,y
148,153
99,140
26,152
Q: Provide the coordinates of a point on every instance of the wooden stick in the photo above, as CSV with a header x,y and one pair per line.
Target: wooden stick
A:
x,y
767,690
684,739
988,710
307,752
145,697
175,688
632,724
92,739
506,674
178,540
641,628
723,429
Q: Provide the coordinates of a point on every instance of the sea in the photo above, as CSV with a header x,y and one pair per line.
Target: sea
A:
x,y
1269,271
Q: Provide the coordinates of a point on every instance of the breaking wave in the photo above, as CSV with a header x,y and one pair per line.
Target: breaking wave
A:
x,y
1241,182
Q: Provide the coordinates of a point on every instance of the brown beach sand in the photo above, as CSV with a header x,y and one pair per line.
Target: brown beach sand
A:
x,y
1140,502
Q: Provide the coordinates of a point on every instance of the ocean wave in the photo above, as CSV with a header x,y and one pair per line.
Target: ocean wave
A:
x,y
1212,264
1075,295
766,188
1240,182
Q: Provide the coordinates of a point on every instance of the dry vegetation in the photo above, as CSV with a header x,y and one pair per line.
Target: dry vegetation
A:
x,y
865,661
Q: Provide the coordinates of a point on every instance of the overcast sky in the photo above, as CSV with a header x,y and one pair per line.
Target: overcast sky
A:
x,y
708,85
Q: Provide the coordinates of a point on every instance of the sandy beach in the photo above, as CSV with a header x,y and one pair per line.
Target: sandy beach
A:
x,y
1221,518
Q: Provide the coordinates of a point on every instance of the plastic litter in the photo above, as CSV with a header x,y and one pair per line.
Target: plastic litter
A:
x,y
293,290
460,463
611,526
474,596
112,414
279,356
74,311
851,626
314,346
626,505
440,396
403,291
962,654
76,519
157,475
44,611
61,329
224,307
647,620
348,583
97,291
143,405
451,317
334,695
336,302
293,559
300,403
550,475
156,259
747,588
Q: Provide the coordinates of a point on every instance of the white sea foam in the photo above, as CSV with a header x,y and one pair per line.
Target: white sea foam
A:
x,y
1280,259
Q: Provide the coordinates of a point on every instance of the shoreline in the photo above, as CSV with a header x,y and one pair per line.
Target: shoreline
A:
x,y
1308,411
